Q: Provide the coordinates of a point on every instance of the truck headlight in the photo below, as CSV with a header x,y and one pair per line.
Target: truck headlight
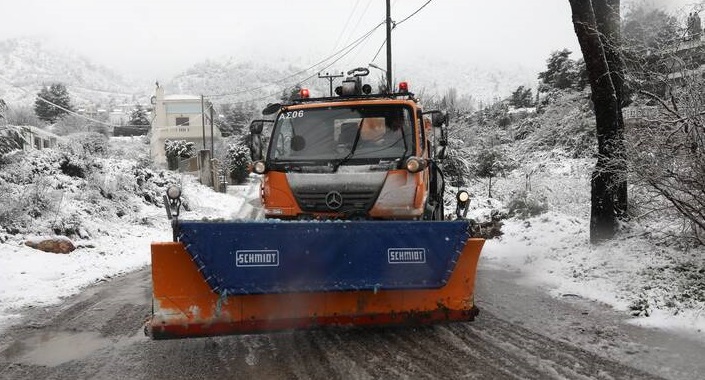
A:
x,y
259,167
415,164
173,192
463,196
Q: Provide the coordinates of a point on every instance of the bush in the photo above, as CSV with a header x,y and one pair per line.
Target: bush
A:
x,y
237,161
525,205
88,143
179,148
456,165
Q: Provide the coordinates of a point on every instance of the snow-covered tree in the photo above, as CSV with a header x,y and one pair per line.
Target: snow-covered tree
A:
x,y
10,139
52,102
667,157
521,97
139,117
561,72
236,118
492,162
237,161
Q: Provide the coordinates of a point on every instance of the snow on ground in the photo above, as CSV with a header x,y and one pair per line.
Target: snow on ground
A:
x,y
32,278
661,286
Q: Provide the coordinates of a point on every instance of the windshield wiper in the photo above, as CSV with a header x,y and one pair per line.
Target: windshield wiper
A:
x,y
345,159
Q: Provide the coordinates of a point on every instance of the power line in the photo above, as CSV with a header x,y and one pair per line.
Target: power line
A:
x,y
54,104
356,42
394,25
349,48
412,15
63,108
346,25
379,50
364,12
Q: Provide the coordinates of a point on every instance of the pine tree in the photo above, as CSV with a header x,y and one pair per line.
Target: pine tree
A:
x,y
521,97
138,117
561,72
52,103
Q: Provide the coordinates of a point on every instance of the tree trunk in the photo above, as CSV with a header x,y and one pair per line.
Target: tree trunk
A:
x,y
608,24
603,220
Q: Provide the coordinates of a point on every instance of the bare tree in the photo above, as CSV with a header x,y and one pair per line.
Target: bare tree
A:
x,y
596,24
666,136
667,155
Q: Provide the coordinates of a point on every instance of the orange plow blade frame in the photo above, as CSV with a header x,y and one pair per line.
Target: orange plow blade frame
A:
x,y
185,306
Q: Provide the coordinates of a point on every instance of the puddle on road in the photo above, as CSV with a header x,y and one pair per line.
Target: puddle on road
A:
x,y
55,348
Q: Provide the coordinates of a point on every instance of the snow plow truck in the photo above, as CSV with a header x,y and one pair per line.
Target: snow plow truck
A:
x,y
354,232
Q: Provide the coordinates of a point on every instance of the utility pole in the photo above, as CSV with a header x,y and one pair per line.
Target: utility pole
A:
x,y
211,109
389,47
203,123
330,79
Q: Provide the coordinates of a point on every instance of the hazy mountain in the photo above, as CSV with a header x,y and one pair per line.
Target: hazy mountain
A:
x,y
231,80
263,82
26,64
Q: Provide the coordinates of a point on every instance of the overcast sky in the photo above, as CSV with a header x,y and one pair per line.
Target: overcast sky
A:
x,y
159,38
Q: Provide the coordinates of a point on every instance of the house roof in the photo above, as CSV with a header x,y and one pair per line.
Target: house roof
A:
x,y
182,97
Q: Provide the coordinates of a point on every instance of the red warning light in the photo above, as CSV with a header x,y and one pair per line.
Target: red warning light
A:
x,y
304,93
403,87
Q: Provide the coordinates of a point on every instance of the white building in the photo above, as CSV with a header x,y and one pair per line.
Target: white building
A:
x,y
36,138
179,117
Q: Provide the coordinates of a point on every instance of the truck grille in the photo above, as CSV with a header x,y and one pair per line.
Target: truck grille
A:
x,y
352,200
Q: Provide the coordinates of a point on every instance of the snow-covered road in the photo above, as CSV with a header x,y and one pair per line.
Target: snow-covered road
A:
x,y
535,288
520,334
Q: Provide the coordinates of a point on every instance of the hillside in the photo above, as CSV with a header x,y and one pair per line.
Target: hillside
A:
x,y
267,80
540,194
28,63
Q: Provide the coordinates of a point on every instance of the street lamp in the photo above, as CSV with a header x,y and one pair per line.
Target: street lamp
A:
x,y
378,68
386,80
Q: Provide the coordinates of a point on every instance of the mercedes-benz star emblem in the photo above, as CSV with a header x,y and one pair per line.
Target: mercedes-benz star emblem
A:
x,y
334,200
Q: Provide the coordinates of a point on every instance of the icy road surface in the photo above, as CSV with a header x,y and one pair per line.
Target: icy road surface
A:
x,y
519,334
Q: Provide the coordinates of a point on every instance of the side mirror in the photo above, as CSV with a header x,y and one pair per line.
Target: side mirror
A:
x,y
256,127
256,147
298,143
271,108
438,119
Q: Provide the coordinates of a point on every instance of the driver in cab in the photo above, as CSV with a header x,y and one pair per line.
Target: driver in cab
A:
x,y
374,131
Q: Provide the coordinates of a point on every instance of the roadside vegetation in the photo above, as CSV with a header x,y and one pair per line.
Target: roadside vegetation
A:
x,y
528,161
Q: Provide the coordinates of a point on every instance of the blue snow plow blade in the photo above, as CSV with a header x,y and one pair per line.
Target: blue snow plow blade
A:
x,y
283,257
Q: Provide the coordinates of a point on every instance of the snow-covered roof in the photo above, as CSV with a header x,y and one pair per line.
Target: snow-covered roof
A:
x,y
182,97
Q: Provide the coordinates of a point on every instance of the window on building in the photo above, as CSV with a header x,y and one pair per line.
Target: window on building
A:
x,y
37,143
182,121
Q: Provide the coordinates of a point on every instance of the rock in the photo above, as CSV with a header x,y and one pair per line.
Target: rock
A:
x,y
55,244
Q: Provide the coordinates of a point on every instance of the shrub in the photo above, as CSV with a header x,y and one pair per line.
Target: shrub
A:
x,y
179,148
237,161
88,143
525,205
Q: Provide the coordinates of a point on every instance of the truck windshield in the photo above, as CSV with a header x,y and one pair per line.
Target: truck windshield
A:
x,y
355,134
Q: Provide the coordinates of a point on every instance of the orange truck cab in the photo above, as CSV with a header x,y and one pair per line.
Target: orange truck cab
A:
x,y
353,156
